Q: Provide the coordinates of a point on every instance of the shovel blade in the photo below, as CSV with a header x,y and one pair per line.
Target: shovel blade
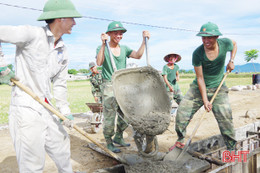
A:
x,y
175,153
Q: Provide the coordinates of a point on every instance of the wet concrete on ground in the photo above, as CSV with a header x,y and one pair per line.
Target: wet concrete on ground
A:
x,y
162,163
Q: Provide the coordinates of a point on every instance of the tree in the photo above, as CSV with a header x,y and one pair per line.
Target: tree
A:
x,y
72,71
99,68
251,55
182,71
10,66
83,70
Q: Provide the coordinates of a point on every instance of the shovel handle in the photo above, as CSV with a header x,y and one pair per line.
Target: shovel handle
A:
x,y
146,51
111,56
58,114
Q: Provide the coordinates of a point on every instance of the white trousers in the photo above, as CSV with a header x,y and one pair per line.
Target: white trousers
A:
x,y
34,133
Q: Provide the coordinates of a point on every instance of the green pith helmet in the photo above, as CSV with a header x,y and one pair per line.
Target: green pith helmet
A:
x,y
54,9
209,29
91,64
115,26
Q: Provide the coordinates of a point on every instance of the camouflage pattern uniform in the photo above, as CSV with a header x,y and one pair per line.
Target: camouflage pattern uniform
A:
x,y
192,102
110,105
176,95
96,81
110,109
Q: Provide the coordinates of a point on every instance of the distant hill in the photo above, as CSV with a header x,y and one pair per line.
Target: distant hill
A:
x,y
249,67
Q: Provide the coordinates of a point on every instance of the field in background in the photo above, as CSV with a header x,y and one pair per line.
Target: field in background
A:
x,y
79,92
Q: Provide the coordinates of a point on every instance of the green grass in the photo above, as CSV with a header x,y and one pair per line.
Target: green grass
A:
x,y
231,80
79,92
5,98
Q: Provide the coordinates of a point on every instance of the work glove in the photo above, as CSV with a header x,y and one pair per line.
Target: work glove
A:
x,y
6,75
68,122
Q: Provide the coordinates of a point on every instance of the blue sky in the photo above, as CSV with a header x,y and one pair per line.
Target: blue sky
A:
x,y
237,19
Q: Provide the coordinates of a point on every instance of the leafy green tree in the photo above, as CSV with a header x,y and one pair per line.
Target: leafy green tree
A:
x,y
10,66
251,55
83,71
99,68
182,71
190,71
72,71
185,71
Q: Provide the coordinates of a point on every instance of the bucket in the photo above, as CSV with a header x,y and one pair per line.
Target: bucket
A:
x,y
256,79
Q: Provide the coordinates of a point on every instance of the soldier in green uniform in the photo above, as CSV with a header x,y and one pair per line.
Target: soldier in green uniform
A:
x,y
170,75
120,53
209,64
96,81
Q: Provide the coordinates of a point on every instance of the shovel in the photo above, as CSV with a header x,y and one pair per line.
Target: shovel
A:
x,y
200,121
62,117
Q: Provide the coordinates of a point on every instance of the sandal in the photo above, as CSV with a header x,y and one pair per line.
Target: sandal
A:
x,y
177,144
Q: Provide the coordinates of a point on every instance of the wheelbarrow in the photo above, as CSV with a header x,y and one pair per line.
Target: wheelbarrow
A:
x,y
95,107
97,117
142,96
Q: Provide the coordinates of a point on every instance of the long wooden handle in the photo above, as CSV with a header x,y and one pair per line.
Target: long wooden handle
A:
x,y
58,114
202,117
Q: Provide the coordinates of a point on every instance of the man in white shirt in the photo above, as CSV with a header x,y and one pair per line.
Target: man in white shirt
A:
x,y
41,62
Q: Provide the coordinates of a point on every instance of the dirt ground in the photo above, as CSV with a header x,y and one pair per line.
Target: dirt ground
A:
x,y
85,159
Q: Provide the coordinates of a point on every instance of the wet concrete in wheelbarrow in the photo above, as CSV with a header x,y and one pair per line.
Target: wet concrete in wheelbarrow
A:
x,y
142,97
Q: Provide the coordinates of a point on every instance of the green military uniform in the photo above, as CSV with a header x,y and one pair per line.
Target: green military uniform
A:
x,y
213,72
110,105
171,77
96,81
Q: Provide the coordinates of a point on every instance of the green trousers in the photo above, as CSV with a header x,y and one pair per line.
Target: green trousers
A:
x,y
176,96
192,102
110,110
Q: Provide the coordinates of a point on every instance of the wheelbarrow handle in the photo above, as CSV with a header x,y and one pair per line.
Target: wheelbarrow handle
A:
x,y
146,51
111,56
